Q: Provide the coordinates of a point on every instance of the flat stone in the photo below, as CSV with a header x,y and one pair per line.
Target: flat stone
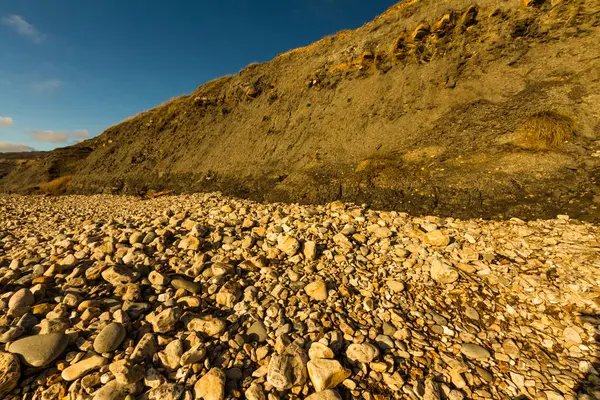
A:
x,y
189,286
317,290
119,275
211,386
382,232
189,243
326,374
40,350
10,372
109,338
207,324
511,348
82,367
437,238
571,335
474,351
395,286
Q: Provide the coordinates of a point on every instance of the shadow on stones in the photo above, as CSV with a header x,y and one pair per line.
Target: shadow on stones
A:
x,y
589,387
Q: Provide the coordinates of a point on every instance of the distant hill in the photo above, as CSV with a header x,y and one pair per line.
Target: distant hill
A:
x,y
9,161
454,108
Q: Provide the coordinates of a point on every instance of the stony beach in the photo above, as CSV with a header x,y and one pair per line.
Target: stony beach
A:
x,y
209,297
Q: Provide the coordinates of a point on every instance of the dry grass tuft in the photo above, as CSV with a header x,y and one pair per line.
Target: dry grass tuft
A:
x,y
547,129
56,186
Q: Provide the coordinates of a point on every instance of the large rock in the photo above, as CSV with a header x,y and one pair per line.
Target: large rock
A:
x,y
317,290
289,369
166,320
442,272
229,294
326,374
211,386
364,352
21,299
289,245
40,350
145,348
109,338
10,372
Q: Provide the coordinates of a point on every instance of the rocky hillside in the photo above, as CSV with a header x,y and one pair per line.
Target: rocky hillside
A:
x,y
451,108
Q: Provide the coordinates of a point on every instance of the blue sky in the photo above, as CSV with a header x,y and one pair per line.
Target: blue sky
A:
x,y
72,68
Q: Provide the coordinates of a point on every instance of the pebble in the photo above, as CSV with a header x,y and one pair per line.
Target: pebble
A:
x,y
91,363
110,338
21,299
474,351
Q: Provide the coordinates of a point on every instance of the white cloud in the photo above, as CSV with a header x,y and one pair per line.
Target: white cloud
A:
x,y
14,148
6,122
24,28
47,85
50,136
81,134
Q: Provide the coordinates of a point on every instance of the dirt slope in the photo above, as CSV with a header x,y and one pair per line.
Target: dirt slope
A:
x,y
420,110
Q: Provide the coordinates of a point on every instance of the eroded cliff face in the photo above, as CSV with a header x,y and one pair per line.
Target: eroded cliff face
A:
x,y
420,110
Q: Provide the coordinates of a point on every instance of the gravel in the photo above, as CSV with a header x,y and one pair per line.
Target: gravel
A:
x,y
209,297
